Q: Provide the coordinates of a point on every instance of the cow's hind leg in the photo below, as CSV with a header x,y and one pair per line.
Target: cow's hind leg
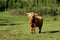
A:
x,y
40,27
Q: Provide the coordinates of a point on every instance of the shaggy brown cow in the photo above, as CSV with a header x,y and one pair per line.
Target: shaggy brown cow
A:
x,y
35,21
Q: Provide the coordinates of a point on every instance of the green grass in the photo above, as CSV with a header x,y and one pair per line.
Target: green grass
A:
x,y
50,29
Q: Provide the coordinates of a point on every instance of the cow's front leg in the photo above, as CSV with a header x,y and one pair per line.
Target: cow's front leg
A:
x,y
32,30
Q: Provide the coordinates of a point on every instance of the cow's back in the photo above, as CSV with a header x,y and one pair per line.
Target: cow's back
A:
x,y
39,21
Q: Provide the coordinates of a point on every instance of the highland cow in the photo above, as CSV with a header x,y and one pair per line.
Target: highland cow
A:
x,y
35,21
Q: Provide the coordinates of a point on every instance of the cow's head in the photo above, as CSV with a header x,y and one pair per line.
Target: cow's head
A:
x,y
31,15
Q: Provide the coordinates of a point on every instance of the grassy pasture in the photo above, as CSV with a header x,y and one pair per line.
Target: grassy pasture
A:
x,y
17,28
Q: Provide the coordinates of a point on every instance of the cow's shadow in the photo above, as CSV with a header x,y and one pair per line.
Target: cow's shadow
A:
x,y
55,31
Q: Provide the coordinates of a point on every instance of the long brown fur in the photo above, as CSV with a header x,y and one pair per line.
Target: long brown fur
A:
x,y
35,21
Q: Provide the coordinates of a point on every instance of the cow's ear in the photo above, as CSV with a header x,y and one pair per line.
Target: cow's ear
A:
x,y
28,14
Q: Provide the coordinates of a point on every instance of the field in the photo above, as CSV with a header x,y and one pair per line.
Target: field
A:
x,y
17,28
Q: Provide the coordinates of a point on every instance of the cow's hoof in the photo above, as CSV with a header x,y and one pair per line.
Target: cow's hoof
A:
x,y
39,32
32,32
